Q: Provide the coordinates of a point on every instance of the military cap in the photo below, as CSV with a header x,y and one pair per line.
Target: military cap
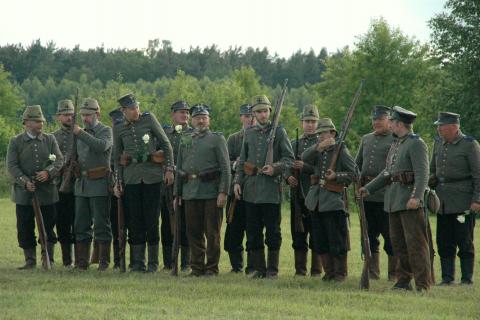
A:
x,y
261,102
200,109
33,113
380,111
403,115
128,101
310,112
179,105
65,107
245,109
89,106
447,118
325,124
116,115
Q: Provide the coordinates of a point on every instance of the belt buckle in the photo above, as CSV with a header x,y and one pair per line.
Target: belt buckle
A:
x,y
84,173
321,182
193,176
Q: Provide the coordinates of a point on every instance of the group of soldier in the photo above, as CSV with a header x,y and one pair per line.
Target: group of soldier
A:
x,y
158,171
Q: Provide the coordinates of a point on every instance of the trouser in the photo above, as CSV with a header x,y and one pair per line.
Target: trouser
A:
x,y
114,223
204,221
166,225
378,224
300,240
235,231
96,211
263,216
330,233
453,234
26,225
65,218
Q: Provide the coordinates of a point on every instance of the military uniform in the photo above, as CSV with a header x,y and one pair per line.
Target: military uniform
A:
x,y
140,167
405,177
92,203
302,240
174,134
326,201
26,155
202,174
455,175
262,193
65,206
236,229
370,159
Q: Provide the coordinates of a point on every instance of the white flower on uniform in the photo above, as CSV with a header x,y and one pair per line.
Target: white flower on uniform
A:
x,y
146,138
52,157
178,128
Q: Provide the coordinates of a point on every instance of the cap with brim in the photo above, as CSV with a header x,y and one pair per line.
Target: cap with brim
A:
x,y
380,111
310,112
200,109
245,109
33,113
403,115
65,107
260,102
447,118
179,105
89,106
324,125
128,101
117,116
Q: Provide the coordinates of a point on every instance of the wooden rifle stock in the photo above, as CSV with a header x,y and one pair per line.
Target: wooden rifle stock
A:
x,y
42,234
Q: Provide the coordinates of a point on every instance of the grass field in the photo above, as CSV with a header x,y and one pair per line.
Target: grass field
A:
x,y
63,294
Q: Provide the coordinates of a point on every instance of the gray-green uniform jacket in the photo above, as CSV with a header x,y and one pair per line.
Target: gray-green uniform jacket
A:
x,y
202,152
456,167
371,159
318,198
94,147
234,145
174,138
262,188
64,140
25,157
407,154
128,139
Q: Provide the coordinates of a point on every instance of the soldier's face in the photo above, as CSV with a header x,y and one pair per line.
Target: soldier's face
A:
x,y
65,119
448,131
326,135
34,127
201,121
89,119
131,113
309,126
247,120
180,117
381,124
262,115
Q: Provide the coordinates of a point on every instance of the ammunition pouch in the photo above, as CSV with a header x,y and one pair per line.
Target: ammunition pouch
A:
x,y
405,178
96,173
250,169
366,179
205,176
326,184
158,157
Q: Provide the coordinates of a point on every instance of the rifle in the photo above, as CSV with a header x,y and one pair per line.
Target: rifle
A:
x,y
42,234
297,210
366,253
122,239
176,236
71,163
275,121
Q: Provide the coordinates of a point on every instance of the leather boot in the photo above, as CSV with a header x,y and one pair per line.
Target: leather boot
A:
x,y
95,254
258,263
327,263
116,255
236,261
103,255
272,263
30,259
167,257
340,268
466,266
137,256
392,268
448,271
316,265
249,268
66,254
83,252
185,258
374,266
300,262
152,258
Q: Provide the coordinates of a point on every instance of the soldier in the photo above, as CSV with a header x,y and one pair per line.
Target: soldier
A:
x,y
33,161
236,229
405,177
203,177
299,188
65,207
455,175
326,200
94,147
260,186
371,157
139,166
180,113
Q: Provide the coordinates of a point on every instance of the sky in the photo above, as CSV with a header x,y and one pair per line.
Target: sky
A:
x,y
284,27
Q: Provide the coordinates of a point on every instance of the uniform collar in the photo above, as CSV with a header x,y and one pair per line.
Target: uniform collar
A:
x,y
264,127
459,137
382,134
310,136
28,137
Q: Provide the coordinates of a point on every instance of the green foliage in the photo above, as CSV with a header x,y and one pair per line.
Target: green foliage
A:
x,y
11,102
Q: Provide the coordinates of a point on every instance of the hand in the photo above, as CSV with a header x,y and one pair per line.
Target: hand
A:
x,y
76,129
475,207
413,204
330,175
297,164
362,192
168,178
117,190
42,176
30,186
268,170
292,182
177,200
322,145
221,200
237,190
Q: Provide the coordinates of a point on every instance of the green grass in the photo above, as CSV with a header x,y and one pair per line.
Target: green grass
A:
x,y
61,293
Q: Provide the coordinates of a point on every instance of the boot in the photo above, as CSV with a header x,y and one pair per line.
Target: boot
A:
x,y
374,266
103,255
137,256
258,263
272,263
466,265
66,254
152,258
95,254
83,255
249,268
30,259
185,258
448,271
316,266
340,268
392,268
167,257
327,263
300,262
116,255
236,260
